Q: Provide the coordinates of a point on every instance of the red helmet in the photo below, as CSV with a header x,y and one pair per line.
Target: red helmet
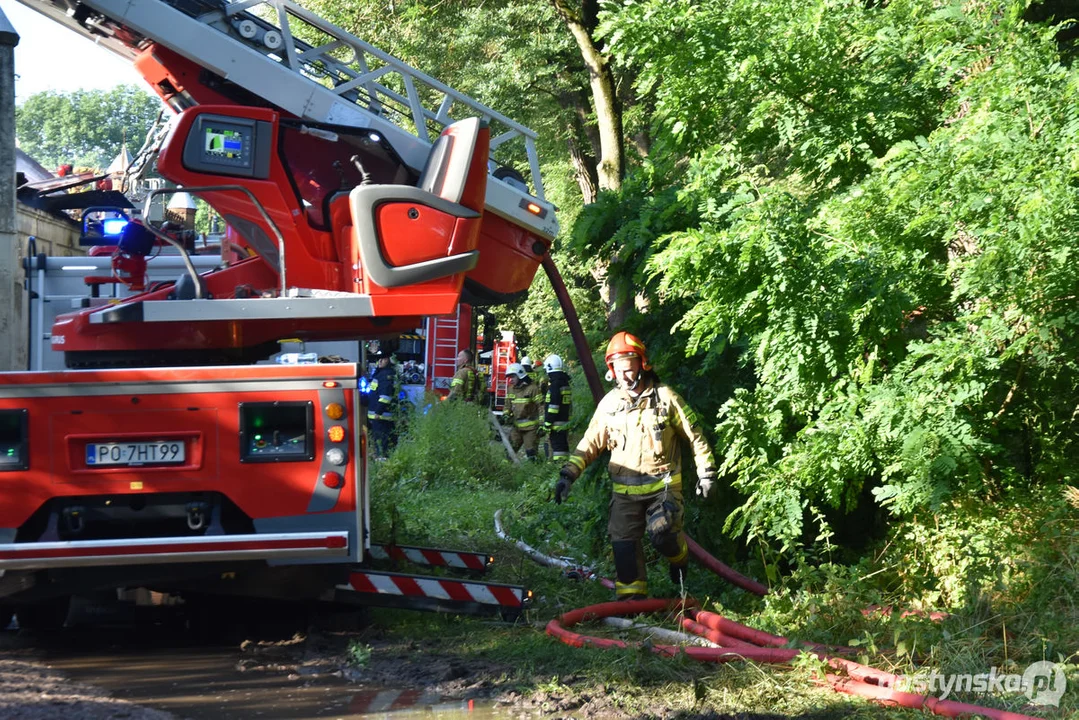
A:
x,y
623,343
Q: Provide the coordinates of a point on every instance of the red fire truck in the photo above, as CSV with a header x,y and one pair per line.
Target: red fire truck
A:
x,y
357,204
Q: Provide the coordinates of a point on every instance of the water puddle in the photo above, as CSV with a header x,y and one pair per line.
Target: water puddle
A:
x,y
205,684
269,681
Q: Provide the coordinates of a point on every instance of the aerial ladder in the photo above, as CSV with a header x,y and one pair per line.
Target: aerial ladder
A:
x,y
366,192
361,195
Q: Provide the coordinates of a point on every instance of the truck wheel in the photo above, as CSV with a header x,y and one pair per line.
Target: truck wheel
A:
x,y
44,616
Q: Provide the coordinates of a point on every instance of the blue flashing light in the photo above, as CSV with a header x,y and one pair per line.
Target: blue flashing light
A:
x,y
401,395
113,227
426,408
364,385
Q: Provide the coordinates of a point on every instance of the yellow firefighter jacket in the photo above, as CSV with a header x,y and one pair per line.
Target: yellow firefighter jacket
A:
x,y
642,434
463,385
525,405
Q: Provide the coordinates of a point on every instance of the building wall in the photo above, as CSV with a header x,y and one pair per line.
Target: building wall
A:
x,y
54,237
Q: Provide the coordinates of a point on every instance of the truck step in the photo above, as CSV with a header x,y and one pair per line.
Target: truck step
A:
x,y
419,592
433,557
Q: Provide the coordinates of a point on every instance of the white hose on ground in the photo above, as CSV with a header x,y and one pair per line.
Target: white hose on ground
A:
x,y
659,633
502,436
549,561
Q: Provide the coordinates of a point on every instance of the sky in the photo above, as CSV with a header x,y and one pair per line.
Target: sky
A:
x,y
51,57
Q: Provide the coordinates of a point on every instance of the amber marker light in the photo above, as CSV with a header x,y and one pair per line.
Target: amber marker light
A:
x,y
336,433
534,208
335,411
330,384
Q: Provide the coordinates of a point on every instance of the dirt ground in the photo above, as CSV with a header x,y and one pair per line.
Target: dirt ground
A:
x,y
31,690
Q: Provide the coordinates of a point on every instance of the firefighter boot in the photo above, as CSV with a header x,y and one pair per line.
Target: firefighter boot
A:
x,y
631,581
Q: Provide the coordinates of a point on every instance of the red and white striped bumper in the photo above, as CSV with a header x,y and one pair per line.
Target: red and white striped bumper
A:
x,y
508,597
150,551
456,559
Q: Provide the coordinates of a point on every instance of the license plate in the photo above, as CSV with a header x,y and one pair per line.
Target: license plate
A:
x,y
135,453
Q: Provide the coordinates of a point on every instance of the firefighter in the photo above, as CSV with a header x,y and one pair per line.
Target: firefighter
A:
x,y
380,408
464,383
523,410
559,400
640,422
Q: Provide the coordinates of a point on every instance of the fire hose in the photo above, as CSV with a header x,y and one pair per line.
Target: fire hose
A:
x,y
732,641
736,644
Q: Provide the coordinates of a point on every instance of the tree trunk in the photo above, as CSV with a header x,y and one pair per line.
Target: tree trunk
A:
x,y
584,169
611,168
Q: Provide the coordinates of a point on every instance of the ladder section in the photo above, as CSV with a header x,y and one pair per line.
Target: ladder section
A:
x,y
504,354
317,71
443,344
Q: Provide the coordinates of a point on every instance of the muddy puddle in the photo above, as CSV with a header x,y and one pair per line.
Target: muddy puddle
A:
x,y
295,679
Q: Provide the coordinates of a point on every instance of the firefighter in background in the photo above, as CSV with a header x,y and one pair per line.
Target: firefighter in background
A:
x,y
641,422
464,383
559,400
382,392
524,410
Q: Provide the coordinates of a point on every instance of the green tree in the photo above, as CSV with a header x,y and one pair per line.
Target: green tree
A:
x,y
885,197
85,127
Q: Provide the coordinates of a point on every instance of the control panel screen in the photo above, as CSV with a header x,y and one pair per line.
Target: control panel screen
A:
x,y
227,144
276,432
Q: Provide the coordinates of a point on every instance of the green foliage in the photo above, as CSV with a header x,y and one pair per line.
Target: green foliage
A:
x,y
449,444
446,477
85,127
816,89
879,280
359,654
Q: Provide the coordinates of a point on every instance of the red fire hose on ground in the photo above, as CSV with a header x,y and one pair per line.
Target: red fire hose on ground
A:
x,y
737,643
